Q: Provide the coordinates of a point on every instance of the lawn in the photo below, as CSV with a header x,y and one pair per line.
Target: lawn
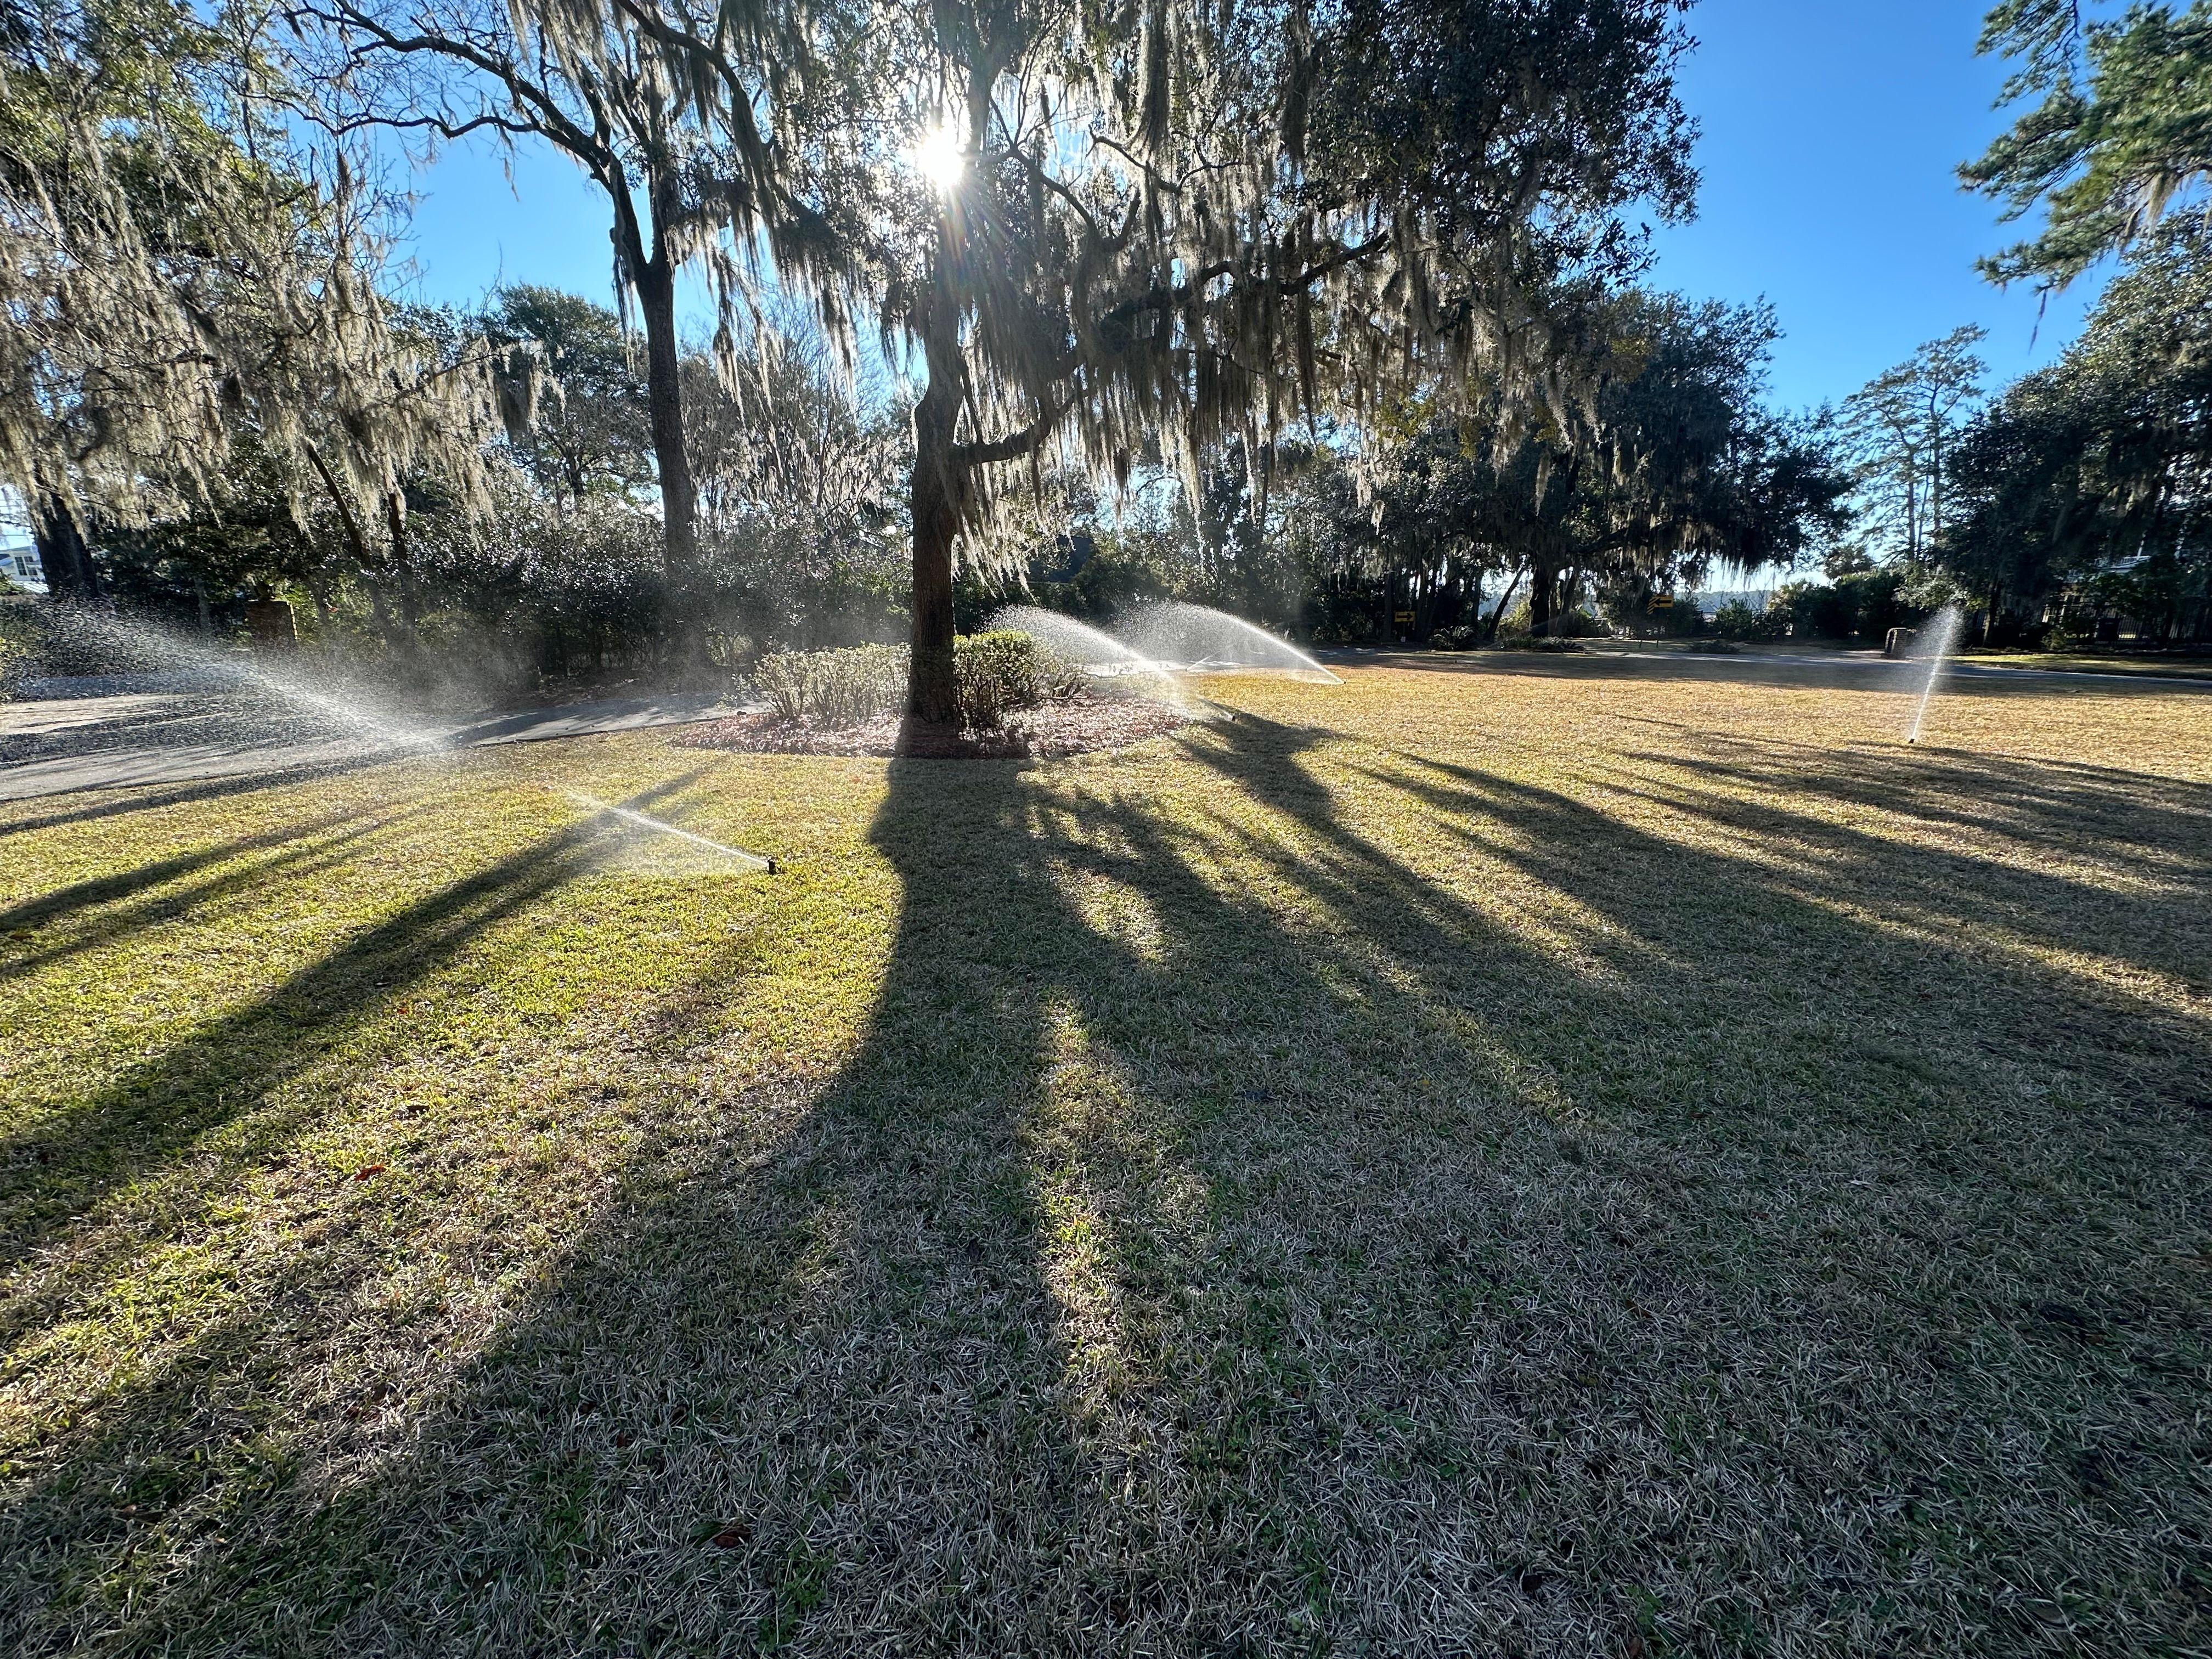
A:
x,y
1570,1157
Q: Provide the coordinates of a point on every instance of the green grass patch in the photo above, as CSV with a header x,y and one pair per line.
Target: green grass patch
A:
x,y
1536,1155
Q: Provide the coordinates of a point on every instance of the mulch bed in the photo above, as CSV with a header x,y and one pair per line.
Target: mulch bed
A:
x,y
1079,725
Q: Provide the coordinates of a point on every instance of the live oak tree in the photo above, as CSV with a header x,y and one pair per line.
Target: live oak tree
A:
x,y
1201,225
798,488
643,97
2094,471
593,438
1682,467
1081,228
183,273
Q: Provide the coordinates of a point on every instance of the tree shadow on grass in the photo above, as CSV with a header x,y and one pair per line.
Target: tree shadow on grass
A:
x,y
130,798
1240,1229
158,872
234,1070
2074,804
2033,858
92,924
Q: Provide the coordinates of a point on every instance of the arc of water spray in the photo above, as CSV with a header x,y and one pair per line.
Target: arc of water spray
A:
x,y
1943,638
148,643
1089,648
1205,638
750,860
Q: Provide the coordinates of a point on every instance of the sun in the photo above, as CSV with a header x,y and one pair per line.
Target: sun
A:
x,y
940,155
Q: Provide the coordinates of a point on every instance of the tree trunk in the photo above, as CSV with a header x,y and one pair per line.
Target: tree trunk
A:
x,y
932,693
1543,580
357,542
655,283
62,554
1505,598
395,518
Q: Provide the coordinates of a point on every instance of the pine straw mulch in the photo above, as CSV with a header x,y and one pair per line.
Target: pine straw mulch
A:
x,y
1079,725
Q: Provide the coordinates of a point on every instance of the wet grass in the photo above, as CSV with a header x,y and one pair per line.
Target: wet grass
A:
x,y
1549,1157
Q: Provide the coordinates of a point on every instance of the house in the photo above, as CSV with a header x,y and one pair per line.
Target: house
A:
x,y
19,563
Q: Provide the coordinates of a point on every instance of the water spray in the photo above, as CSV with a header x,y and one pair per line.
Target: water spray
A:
x,y
1092,649
1943,638
750,860
146,648
1202,640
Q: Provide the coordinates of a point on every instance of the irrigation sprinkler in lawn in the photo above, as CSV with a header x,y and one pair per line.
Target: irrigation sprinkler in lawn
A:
x,y
713,852
1942,638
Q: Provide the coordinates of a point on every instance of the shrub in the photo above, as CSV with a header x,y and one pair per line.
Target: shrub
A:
x,y
18,646
840,687
1003,670
1737,620
1812,611
1876,600
1454,639
996,674
1576,623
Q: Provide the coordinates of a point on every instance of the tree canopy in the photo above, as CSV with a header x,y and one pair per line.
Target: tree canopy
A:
x,y
183,271
1900,430
2093,473
1093,228
2122,128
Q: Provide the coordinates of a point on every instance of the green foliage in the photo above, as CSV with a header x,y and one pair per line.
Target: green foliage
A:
x,y
1875,602
1811,610
592,436
1096,572
1863,603
2079,484
1682,469
1004,671
840,688
18,644
1630,607
2119,132
187,262
1900,432
1737,620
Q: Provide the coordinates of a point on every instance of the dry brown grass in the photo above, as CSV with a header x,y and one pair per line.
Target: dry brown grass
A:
x,y
1561,1158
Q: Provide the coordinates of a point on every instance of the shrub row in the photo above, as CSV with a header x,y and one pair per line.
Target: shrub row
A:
x,y
840,687
997,674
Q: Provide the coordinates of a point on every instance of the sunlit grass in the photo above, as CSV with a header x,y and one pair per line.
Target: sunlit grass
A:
x,y
1470,1158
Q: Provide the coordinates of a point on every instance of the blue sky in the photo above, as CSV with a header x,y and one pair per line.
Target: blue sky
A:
x,y
1831,131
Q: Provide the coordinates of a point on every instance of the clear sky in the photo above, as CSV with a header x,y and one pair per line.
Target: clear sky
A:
x,y
1833,128
1831,131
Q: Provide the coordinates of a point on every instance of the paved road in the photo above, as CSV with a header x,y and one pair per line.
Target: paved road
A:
x,y
113,733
